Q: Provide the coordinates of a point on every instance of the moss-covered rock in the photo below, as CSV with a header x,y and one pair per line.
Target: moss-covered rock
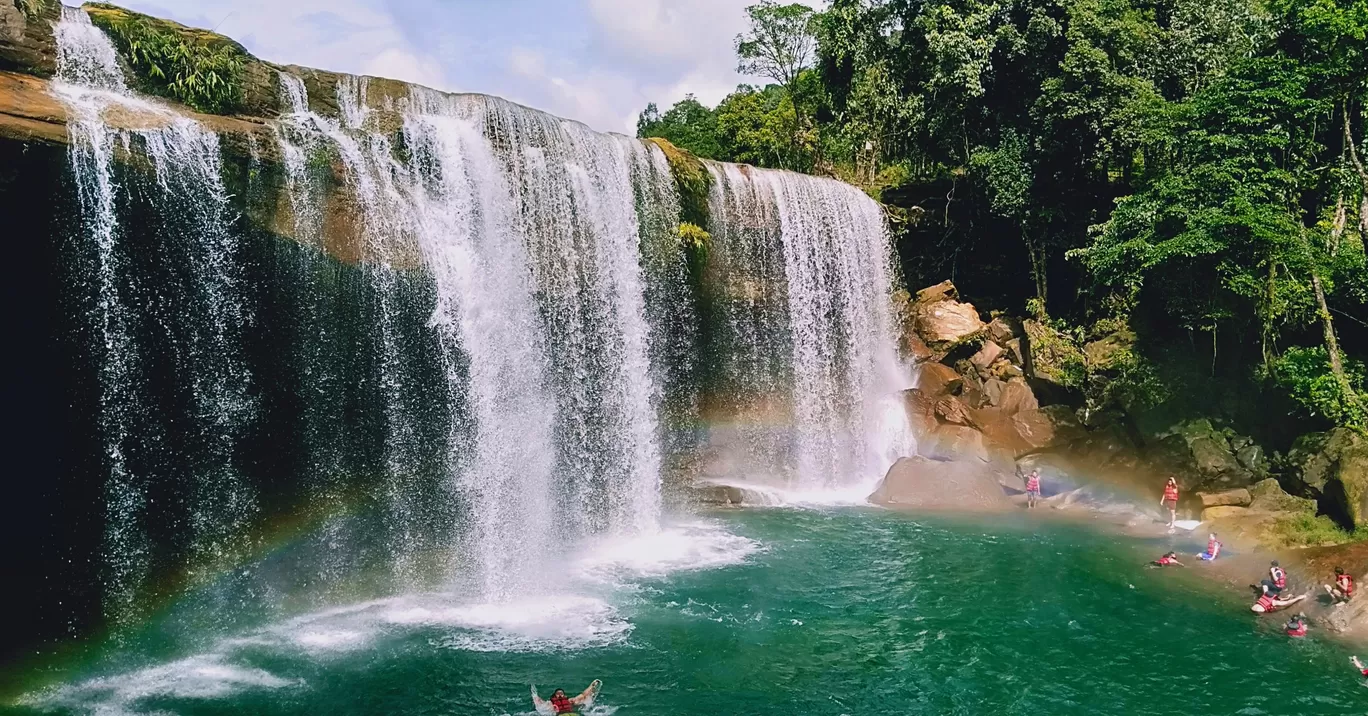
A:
x,y
26,41
692,180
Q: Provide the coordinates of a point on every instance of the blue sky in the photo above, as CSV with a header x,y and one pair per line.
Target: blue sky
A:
x,y
597,61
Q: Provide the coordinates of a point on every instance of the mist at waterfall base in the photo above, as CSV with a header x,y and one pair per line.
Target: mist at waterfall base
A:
x,y
836,611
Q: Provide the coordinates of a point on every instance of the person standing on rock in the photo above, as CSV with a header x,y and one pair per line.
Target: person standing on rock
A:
x,y
1170,501
1343,588
1032,488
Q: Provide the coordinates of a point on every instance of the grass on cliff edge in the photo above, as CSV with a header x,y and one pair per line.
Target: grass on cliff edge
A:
x,y
199,68
1310,531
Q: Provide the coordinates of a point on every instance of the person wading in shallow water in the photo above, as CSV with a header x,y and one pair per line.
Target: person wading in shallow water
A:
x,y
1170,500
1213,549
1168,560
561,704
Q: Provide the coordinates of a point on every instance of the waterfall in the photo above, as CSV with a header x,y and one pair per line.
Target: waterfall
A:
x,y
484,349
805,276
185,160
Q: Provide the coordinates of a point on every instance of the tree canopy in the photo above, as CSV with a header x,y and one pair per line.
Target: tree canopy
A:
x,y
1195,169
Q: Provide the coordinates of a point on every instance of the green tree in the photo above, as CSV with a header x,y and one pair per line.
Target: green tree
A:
x,y
688,125
779,43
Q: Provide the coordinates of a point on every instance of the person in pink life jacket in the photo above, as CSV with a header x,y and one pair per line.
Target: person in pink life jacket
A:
x,y
1170,500
1296,626
1213,548
1032,488
1168,560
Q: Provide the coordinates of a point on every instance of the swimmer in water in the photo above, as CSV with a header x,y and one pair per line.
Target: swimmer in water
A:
x,y
1168,560
1296,626
1359,665
559,703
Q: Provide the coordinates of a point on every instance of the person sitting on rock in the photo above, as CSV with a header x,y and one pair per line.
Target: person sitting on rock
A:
x,y
1032,488
1276,582
1343,588
1168,560
1296,626
1213,548
1170,500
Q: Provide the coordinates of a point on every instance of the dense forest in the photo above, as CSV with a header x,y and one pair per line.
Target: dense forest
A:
x,y
1190,174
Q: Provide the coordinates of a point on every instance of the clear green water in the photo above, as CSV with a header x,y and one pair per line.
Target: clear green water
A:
x,y
848,611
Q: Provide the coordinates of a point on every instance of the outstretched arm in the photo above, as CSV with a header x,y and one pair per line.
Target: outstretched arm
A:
x,y
537,701
588,693
1357,663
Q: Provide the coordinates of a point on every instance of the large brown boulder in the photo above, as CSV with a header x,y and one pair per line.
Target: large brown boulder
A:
x,y
951,410
1239,497
922,484
921,411
946,323
936,379
1211,514
953,443
1032,430
987,354
1017,397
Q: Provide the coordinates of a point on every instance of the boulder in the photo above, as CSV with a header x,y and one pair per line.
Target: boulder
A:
x,y
1015,351
1333,466
949,443
949,409
1003,329
1017,397
1239,497
943,291
1103,352
27,43
945,323
1032,430
915,349
936,379
992,390
1212,455
718,494
921,411
1212,514
1268,496
921,483
1251,457
987,354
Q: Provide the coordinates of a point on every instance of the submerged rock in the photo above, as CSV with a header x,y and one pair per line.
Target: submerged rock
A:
x,y
922,483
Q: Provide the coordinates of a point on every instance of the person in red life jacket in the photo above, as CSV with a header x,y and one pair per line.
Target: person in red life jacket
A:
x,y
1296,626
1168,560
1270,603
559,703
1170,500
1032,488
1276,582
1343,588
1359,665
1213,548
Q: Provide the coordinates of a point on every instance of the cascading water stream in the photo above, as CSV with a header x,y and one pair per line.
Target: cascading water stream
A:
x,y
805,268
185,160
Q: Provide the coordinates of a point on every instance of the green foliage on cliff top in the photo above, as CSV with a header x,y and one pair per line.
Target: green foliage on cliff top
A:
x,y
199,68
692,180
1305,374
34,9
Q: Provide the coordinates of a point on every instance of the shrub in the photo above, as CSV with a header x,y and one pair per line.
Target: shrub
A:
x,y
1305,374
200,69
1305,530
692,180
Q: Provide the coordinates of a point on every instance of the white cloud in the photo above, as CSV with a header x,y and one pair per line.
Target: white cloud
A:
x,y
399,64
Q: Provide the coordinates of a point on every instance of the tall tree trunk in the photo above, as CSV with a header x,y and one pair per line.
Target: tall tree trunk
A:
x,y
1331,343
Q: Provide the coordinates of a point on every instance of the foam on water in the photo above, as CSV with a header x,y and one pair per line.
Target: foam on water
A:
x,y
206,676
675,548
